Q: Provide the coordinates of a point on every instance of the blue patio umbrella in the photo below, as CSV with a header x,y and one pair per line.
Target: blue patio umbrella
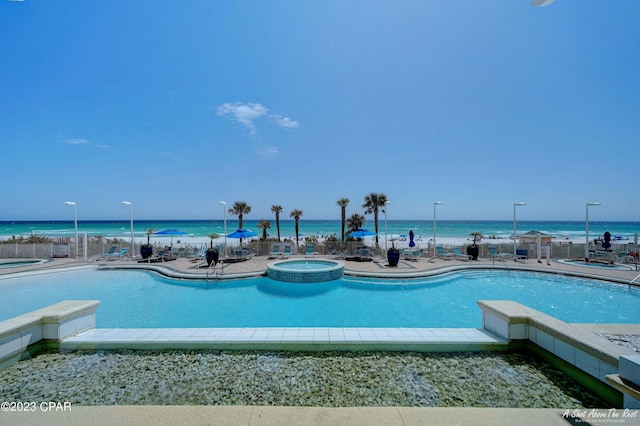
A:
x,y
411,242
171,232
241,233
361,233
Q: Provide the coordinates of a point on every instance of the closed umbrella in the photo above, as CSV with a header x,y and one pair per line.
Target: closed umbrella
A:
x,y
411,242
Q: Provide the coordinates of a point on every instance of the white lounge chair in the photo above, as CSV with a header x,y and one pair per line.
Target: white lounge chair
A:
x,y
199,255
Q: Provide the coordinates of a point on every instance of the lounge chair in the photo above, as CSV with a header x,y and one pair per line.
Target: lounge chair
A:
x,y
275,252
287,251
112,251
623,258
338,253
522,254
365,255
412,254
119,255
309,251
443,254
202,254
493,253
459,255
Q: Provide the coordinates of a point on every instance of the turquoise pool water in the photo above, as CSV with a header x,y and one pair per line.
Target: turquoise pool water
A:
x,y
594,264
132,299
305,265
18,263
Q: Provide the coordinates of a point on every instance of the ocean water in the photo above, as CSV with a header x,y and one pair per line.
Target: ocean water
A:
x,y
421,228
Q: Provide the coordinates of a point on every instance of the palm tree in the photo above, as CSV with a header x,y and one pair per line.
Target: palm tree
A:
x,y
277,209
343,203
264,225
240,208
372,203
355,222
296,214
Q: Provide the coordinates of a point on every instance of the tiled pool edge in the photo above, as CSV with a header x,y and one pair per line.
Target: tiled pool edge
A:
x,y
70,325
592,354
292,339
44,327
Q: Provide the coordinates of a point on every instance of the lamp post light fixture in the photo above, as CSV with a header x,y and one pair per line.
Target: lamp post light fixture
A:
x,y
75,221
514,224
386,203
130,204
586,246
437,203
224,213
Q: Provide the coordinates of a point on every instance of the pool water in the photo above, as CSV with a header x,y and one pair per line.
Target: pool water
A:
x,y
305,271
304,265
136,299
18,263
593,264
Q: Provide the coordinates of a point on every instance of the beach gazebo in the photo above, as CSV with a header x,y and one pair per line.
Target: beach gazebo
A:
x,y
531,237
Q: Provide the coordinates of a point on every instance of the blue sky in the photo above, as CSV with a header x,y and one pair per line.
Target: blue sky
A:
x,y
178,105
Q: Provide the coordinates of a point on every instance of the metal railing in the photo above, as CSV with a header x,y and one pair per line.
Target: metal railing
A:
x,y
559,250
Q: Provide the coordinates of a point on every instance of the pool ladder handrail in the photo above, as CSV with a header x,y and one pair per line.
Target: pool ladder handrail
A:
x,y
215,270
633,281
500,259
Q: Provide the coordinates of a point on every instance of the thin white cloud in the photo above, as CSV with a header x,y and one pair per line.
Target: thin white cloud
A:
x,y
244,114
283,121
80,141
76,141
247,114
267,151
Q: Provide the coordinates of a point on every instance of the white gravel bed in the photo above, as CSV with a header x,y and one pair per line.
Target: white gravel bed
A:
x,y
323,379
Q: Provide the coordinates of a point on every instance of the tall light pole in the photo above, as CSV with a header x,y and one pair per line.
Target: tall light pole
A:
x,y
514,225
75,221
130,204
586,246
437,203
224,213
386,203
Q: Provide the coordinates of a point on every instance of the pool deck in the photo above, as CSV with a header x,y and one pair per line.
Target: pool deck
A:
x,y
266,416
257,266
282,338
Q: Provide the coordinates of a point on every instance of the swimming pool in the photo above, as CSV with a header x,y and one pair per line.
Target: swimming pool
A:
x,y
593,264
305,271
137,299
18,263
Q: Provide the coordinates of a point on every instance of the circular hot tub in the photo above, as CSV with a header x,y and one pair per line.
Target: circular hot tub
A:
x,y
305,270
